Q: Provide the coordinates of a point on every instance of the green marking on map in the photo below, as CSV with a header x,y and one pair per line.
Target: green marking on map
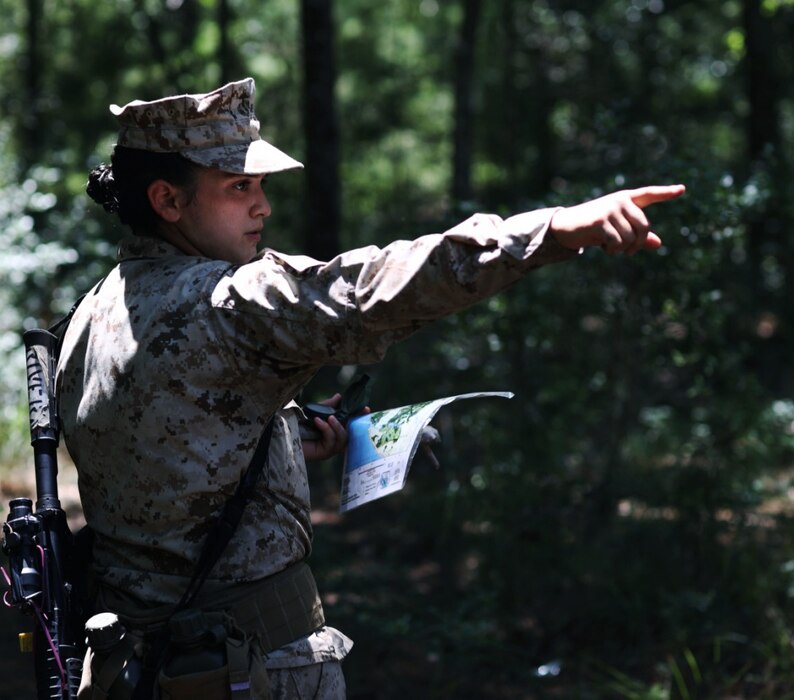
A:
x,y
386,426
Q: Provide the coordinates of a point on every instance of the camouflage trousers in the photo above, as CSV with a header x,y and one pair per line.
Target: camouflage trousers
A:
x,y
324,681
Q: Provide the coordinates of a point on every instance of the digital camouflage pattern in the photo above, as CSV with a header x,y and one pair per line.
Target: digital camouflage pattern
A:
x,y
217,129
172,365
316,682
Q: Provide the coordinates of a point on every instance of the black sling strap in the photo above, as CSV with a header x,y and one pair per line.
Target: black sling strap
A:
x,y
228,520
58,329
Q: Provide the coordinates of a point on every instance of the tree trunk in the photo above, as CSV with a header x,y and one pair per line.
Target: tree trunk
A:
x,y
507,155
224,57
762,128
527,144
763,87
30,124
542,171
464,80
321,130
768,226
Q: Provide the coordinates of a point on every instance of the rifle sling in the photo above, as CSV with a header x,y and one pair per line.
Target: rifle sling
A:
x,y
229,518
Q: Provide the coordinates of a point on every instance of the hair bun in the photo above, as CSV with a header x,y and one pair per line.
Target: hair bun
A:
x,y
102,187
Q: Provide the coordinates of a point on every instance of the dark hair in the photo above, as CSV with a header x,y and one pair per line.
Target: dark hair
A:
x,y
121,186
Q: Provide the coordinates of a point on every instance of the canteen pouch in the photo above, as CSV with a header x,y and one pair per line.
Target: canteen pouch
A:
x,y
109,676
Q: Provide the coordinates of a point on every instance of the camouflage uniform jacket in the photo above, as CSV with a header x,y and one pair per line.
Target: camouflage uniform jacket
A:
x,y
173,364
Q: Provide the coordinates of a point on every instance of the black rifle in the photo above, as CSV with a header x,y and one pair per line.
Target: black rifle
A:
x,y
39,544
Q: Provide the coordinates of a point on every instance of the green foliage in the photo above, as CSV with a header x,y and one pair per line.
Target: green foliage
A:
x,y
27,261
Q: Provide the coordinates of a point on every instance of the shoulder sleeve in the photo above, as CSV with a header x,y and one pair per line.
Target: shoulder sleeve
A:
x,y
352,308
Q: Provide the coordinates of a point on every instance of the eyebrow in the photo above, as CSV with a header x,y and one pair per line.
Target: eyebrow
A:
x,y
234,176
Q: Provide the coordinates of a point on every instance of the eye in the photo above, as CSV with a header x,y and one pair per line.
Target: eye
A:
x,y
241,185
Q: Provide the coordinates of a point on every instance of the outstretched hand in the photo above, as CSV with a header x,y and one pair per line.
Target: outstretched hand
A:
x,y
616,221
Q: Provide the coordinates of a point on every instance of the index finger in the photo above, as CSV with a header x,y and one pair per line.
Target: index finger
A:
x,y
339,430
645,196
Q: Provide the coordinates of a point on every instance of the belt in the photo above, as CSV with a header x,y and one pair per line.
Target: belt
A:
x,y
279,609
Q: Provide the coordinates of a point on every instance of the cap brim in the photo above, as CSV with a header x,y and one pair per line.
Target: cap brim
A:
x,y
255,158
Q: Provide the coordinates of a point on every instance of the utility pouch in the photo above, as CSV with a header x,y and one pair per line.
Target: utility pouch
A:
x,y
209,656
247,671
213,683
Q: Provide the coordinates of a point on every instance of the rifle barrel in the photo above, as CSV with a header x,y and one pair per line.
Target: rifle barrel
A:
x,y
41,357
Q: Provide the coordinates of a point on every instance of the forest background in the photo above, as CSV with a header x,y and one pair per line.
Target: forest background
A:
x,y
622,527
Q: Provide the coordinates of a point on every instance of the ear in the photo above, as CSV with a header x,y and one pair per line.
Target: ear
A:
x,y
166,200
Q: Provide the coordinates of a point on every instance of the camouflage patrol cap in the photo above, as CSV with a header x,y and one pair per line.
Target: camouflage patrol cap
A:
x,y
217,130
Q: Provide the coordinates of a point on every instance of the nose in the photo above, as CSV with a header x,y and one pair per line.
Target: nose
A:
x,y
261,206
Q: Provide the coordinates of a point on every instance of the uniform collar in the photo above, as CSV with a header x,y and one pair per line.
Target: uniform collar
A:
x,y
146,247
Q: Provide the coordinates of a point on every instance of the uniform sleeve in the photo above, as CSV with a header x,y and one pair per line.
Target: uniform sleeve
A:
x,y
298,310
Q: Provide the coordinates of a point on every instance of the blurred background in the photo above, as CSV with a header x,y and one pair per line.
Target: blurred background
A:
x,y
623,527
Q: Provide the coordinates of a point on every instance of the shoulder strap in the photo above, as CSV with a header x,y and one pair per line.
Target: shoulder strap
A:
x,y
59,328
